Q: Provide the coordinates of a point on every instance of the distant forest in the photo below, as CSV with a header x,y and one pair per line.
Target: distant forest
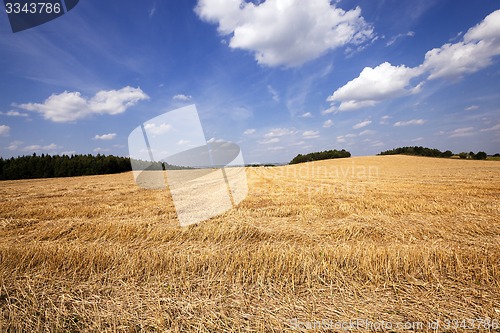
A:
x,y
323,155
47,166
430,152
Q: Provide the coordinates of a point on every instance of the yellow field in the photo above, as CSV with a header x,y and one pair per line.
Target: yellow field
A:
x,y
390,238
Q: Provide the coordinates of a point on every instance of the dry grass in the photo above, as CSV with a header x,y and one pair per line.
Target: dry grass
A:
x,y
390,238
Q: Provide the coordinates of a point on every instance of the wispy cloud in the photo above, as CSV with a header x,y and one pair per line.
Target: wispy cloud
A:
x,y
274,93
13,113
395,38
494,128
362,124
462,132
410,122
472,108
109,136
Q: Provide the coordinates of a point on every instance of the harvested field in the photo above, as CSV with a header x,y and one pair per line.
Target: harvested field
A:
x,y
392,239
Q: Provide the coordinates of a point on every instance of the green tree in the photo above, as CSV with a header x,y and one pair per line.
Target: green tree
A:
x,y
481,155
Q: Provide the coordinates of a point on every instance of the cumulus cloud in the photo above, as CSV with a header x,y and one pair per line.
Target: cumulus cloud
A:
x,y
285,32
181,97
109,136
249,131
480,44
310,134
362,124
409,122
328,123
374,85
4,130
306,115
71,106
157,129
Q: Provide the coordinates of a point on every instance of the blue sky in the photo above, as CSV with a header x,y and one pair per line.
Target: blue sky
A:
x,y
278,77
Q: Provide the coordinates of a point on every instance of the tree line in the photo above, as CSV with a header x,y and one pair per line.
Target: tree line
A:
x,y
48,166
323,155
432,152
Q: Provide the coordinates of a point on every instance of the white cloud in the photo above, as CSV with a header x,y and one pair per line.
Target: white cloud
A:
x,y
275,132
181,97
472,108
410,122
306,115
461,132
362,124
14,145
384,119
328,123
185,142
4,130
377,143
101,150
273,93
157,129
480,44
35,148
331,109
417,139
71,106
249,131
310,134
109,136
374,85
285,32
268,141
494,128
68,152
395,38
13,113
367,132
340,139
273,148
152,11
